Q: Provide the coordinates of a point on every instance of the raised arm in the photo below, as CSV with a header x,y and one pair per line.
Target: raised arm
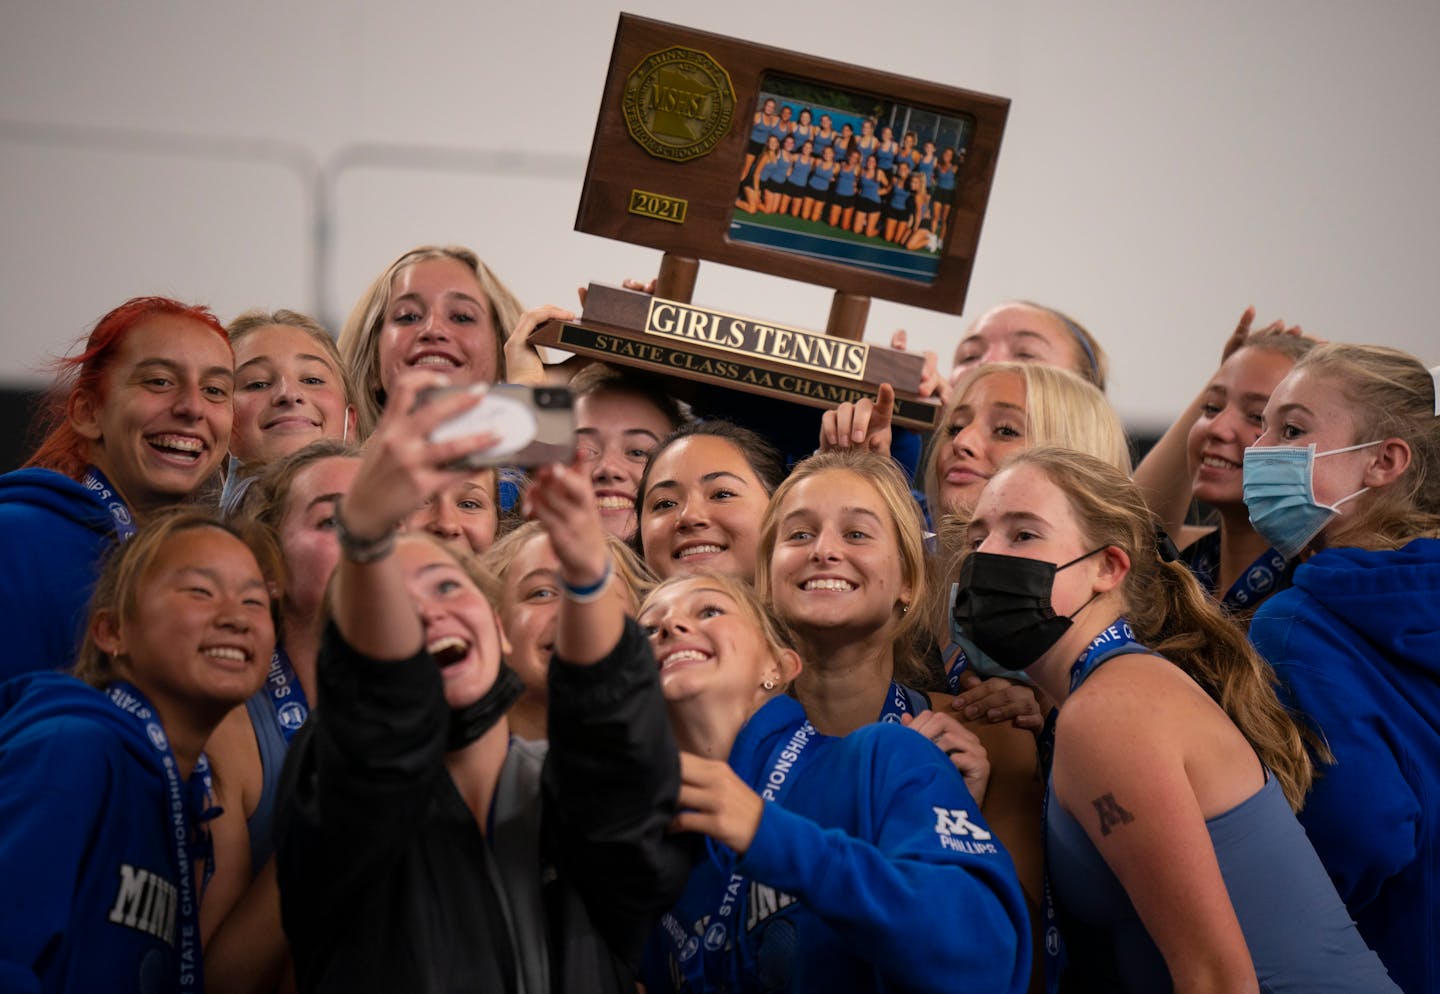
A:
x,y
401,468
357,775
612,773
562,499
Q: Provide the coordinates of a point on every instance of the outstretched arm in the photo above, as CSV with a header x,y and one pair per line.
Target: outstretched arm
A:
x,y
591,613
612,773
357,775
401,468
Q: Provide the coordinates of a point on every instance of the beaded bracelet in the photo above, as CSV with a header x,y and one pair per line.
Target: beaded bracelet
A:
x,y
591,592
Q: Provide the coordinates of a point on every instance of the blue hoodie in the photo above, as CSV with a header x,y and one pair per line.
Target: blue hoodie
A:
x,y
88,869
1356,644
874,872
53,533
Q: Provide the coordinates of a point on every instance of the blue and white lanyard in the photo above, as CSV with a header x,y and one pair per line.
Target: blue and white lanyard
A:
x,y
287,695
187,939
956,663
1117,640
900,700
1261,579
782,771
1265,576
95,481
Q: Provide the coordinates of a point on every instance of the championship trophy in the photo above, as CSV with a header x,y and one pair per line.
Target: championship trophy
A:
x,y
712,148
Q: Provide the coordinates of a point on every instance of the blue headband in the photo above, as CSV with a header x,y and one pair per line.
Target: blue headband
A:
x,y
1080,337
1075,330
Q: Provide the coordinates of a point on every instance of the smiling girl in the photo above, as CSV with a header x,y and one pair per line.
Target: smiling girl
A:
x,y
441,309
102,791
1199,459
464,516
410,849
290,390
620,418
245,947
141,421
843,563
835,864
703,495
1002,408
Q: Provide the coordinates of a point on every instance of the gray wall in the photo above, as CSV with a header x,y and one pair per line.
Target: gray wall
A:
x,y
1164,165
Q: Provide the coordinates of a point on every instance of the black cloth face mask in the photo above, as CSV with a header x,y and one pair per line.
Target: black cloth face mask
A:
x,y
469,723
1003,606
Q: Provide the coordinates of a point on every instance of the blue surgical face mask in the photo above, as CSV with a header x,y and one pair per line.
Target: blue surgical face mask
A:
x,y
1279,490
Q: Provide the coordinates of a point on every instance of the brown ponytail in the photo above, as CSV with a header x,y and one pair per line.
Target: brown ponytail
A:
x,y
1176,618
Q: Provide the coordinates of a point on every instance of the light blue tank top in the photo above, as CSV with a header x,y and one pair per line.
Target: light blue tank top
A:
x,y
1299,933
774,172
822,176
271,740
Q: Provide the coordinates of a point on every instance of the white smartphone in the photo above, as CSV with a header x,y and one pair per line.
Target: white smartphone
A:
x,y
536,425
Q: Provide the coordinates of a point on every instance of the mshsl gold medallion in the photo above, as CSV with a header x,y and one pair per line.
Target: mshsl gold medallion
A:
x,y
678,104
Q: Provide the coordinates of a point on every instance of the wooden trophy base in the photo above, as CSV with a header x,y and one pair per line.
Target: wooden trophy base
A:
x,y
680,342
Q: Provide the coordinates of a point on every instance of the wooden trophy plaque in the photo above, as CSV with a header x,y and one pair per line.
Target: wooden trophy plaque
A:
x,y
711,148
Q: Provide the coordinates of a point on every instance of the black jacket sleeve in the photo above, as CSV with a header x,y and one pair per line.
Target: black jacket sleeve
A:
x,y
357,781
610,783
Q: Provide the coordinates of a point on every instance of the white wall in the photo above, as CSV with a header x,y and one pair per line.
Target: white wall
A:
x,y
1164,164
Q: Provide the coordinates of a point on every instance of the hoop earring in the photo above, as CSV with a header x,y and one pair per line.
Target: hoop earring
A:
x,y
769,684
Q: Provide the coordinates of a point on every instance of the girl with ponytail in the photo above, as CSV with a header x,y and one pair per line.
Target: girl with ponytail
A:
x,y
1173,859
1346,479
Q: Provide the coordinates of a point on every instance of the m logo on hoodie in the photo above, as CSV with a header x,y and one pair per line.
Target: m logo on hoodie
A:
x,y
146,902
955,830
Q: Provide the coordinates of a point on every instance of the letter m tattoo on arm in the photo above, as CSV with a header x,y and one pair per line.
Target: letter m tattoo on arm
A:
x,y
1111,813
